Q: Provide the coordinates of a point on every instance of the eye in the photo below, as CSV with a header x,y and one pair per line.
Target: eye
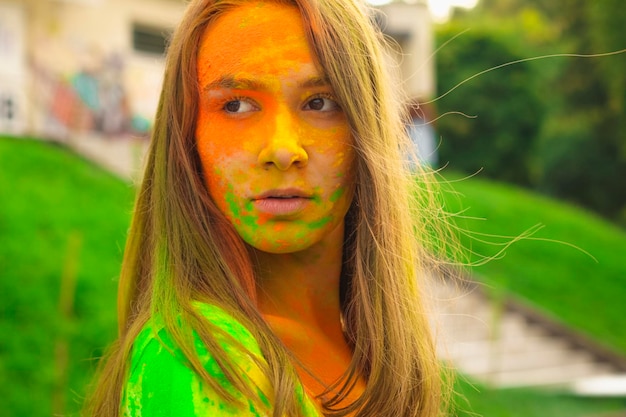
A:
x,y
239,105
321,104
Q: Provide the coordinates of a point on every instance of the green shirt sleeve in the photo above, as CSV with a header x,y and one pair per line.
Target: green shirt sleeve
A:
x,y
160,384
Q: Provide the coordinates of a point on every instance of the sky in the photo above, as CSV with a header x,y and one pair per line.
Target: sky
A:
x,y
441,8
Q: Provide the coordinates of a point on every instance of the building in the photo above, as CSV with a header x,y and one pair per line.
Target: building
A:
x,y
410,26
82,65
95,66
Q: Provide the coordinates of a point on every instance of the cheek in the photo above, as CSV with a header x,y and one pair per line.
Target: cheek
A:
x,y
335,147
219,134
227,182
218,137
334,142
210,136
345,171
218,187
227,150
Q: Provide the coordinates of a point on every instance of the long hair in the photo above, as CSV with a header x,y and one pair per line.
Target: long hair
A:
x,y
181,248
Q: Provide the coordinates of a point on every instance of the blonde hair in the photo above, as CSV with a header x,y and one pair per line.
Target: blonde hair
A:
x,y
181,248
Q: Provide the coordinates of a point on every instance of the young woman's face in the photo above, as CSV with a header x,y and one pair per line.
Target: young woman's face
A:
x,y
275,147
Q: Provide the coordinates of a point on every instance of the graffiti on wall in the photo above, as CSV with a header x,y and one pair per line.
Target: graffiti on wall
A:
x,y
93,99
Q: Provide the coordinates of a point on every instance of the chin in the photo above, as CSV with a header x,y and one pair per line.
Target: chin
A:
x,y
278,247
293,238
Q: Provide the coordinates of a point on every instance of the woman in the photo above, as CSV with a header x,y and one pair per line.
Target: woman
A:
x,y
272,266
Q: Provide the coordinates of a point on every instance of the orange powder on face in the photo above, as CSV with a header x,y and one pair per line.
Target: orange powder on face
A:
x,y
283,44
259,51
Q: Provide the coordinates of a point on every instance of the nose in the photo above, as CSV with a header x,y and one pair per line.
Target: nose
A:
x,y
283,148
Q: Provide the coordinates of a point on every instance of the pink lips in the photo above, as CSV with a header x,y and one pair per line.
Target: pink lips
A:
x,y
281,202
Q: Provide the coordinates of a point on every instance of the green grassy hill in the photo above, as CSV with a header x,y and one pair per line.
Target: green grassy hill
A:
x,y
572,267
63,223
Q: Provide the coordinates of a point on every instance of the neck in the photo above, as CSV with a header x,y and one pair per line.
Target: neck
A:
x,y
302,286
298,294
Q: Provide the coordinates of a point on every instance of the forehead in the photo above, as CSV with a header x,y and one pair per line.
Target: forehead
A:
x,y
254,38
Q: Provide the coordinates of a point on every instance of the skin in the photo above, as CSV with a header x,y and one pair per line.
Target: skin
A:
x,y
268,123
268,126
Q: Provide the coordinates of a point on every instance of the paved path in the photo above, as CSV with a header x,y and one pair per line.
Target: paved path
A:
x,y
501,348
122,155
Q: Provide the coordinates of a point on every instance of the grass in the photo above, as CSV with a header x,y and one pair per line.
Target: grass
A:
x,y
62,224
572,266
474,401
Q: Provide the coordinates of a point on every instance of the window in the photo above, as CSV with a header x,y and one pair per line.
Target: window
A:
x,y
7,108
150,39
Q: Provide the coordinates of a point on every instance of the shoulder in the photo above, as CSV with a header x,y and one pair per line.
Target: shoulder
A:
x,y
230,326
160,383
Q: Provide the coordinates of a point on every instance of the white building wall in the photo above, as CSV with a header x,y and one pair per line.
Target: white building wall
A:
x,y
80,72
12,69
411,26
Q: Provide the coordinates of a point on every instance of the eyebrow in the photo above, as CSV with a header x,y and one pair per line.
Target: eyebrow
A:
x,y
315,82
239,83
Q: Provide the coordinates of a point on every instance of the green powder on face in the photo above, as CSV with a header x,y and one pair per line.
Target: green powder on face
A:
x,y
318,224
250,222
336,195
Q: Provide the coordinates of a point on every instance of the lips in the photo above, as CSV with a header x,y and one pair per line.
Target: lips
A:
x,y
283,202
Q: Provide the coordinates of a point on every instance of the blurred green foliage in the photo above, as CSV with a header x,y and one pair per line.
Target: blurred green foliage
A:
x,y
60,217
503,111
575,149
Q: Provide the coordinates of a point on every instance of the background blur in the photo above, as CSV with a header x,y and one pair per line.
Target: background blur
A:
x,y
539,330
82,65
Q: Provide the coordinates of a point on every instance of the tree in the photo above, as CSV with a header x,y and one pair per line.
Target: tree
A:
x,y
582,154
507,110
579,154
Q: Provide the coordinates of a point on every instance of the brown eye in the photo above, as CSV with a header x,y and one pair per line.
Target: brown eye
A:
x,y
232,106
321,104
238,106
316,104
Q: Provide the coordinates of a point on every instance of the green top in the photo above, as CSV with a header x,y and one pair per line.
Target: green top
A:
x,y
160,384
